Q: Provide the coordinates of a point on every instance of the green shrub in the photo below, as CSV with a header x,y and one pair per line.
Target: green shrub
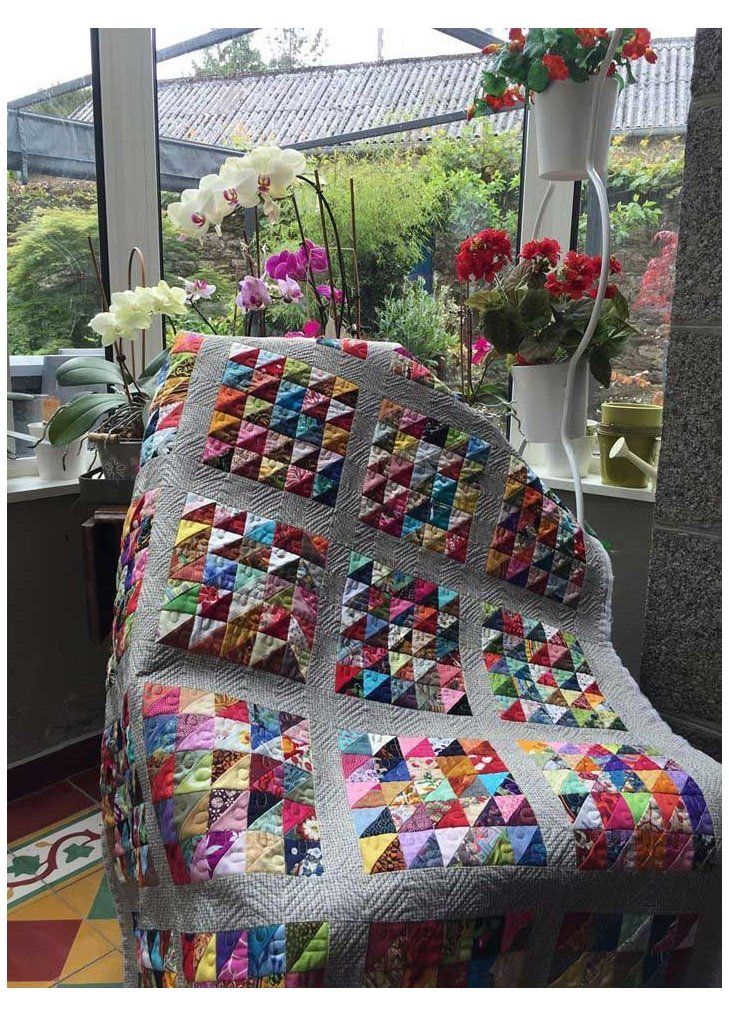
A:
x,y
52,288
426,325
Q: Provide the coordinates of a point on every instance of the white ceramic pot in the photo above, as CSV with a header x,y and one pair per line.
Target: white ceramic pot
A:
x,y
59,462
538,394
562,113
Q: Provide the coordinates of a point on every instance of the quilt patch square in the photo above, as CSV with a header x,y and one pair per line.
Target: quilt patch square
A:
x,y
165,409
156,967
420,802
123,809
423,480
136,535
631,809
290,955
398,640
537,543
243,588
539,673
282,422
232,785
623,950
486,952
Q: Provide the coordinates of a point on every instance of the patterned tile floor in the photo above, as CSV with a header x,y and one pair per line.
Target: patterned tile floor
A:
x,y
62,931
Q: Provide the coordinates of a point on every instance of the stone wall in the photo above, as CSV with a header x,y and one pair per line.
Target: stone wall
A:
x,y
681,665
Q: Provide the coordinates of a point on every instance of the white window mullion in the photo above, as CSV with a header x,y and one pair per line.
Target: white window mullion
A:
x,y
126,78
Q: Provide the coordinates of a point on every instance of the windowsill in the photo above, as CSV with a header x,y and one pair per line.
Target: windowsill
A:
x,y
593,484
32,488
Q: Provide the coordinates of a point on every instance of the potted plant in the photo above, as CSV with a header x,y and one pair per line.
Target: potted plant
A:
x,y
534,313
558,68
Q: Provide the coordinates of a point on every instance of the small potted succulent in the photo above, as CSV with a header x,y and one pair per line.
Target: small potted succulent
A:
x,y
558,68
534,313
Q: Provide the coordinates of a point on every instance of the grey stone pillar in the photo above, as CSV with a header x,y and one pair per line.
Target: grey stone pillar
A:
x,y
681,664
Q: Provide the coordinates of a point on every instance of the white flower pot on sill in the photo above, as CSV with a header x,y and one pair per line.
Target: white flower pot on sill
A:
x,y
58,462
538,393
562,113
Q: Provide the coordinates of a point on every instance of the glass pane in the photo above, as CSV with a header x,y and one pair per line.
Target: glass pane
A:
x,y
418,191
52,213
645,174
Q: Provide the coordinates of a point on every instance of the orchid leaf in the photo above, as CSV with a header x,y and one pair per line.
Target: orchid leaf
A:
x,y
77,417
88,370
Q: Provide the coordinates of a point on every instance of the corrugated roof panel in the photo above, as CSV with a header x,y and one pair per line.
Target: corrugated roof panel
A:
x,y
319,102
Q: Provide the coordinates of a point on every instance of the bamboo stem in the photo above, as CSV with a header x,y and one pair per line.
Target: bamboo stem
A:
x,y
355,261
332,300
311,279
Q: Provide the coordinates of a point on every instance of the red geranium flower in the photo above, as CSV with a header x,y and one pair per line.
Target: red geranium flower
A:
x,y
557,68
651,55
480,257
546,248
611,291
589,36
579,272
517,39
637,45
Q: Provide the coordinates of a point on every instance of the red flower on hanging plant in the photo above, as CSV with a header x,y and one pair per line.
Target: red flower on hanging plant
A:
x,y
589,36
556,67
482,256
637,45
510,98
545,249
516,40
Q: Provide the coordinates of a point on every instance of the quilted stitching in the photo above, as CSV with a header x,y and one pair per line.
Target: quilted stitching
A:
x,y
422,480
399,640
539,673
282,422
232,785
244,588
275,956
630,808
421,802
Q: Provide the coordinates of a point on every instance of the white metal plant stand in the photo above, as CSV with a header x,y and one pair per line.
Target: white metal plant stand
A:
x,y
604,212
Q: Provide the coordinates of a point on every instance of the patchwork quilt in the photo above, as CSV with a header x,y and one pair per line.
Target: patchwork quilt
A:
x,y
365,725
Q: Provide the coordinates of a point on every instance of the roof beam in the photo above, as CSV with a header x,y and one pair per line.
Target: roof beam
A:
x,y
471,36
213,38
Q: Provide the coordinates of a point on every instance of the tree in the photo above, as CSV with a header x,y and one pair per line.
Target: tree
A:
x,y
230,59
295,47
289,48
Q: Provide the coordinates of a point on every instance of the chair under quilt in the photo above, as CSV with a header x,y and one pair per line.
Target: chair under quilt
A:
x,y
365,726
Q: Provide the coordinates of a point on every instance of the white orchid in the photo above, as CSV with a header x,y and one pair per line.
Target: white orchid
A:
x,y
131,311
236,175
276,168
106,326
194,213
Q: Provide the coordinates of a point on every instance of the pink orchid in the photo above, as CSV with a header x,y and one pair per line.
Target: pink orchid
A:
x,y
285,264
253,293
480,349
326,293
311,256
198,289
290,290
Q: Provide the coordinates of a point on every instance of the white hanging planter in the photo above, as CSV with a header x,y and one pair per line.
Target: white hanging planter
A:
x,y
538,394
562,113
